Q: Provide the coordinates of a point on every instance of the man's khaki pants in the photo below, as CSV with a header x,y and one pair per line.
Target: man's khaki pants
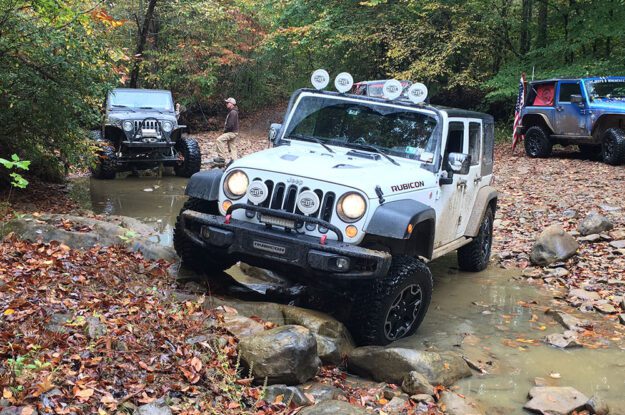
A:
x,y
226,146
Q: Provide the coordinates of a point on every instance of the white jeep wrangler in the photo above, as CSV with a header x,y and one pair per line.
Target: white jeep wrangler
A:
x,y
355,196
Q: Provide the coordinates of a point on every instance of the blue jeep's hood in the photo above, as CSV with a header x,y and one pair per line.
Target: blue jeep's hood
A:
x,y
609,104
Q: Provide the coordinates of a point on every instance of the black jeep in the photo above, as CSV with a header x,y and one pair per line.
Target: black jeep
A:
x,y
140,131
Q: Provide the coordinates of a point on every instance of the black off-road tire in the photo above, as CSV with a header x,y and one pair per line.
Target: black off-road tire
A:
x,y
371,318
475,255
106,163
199,260
592,152
537,143
191,157
613,146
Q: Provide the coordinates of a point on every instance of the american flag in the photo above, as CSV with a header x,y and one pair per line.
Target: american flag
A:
x,y
520,102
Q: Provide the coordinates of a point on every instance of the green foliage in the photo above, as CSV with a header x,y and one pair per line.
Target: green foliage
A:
x,y
55,71
17,180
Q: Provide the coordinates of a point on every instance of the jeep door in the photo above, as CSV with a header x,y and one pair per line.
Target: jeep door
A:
x,y
570,118
472,180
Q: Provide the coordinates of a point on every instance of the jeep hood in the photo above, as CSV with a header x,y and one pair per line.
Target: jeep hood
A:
x,y
609,105
357,172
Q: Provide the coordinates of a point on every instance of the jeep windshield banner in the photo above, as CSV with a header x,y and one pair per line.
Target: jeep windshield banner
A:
x,y
395,131
606,88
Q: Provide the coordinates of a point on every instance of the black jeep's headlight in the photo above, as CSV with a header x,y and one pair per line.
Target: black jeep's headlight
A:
x,y
128,126
351,207
236,184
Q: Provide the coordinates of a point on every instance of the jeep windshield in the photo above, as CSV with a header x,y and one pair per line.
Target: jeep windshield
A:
x,y
385,128
606,89
158,100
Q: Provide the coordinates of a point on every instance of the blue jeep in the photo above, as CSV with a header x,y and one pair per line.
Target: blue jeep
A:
x,y
587,112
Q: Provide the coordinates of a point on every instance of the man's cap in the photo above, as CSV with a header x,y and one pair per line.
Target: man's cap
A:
x,y
232,101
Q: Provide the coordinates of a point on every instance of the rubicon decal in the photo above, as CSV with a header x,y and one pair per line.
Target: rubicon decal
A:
x,y
408,186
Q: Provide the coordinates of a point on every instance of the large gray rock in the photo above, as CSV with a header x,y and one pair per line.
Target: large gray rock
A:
x,y
594,223
333,408
553,245
333,340
288,393
555,400
567,340
458,405
393,363
320,392
158,407
241,326
96,232
286,354
568,321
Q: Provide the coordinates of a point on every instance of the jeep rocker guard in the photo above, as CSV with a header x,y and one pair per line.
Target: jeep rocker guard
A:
x,y
140,131
588,112
355,196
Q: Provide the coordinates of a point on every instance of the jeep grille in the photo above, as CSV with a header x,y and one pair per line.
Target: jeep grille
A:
x,y
283,197
149,124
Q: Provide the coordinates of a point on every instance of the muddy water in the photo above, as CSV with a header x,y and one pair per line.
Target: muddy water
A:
x,y
153,201
492,317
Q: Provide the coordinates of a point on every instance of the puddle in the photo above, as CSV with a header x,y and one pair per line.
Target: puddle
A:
x,y
127,197
490,307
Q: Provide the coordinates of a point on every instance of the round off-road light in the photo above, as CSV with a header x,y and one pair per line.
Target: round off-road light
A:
x,y
168,126
320,79
258,192
343,82
128,126
351,231
351,207
392,89
236,184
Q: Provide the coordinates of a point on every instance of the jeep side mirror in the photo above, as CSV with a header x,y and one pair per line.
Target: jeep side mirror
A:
x,y
274,129
577,99
459,163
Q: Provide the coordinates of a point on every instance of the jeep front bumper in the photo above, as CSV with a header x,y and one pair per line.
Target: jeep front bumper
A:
x,y
262,244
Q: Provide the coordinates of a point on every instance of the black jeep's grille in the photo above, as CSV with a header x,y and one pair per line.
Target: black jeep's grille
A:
x,y
149,125
284,197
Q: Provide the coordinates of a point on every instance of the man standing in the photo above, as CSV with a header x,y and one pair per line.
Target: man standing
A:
x,y
226,143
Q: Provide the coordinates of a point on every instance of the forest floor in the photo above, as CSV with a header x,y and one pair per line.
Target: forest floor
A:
x,y
108,355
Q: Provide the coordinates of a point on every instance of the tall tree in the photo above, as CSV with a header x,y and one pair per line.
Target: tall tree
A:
x,y
141,40
526,15
541,35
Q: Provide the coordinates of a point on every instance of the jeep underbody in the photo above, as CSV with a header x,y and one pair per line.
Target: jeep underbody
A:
x,y
356,195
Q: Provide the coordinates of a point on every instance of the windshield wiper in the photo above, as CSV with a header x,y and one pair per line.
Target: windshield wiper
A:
x,y
311,139
122,106
151,108
374,149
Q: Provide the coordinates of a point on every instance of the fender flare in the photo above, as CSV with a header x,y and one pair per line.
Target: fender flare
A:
x,y
485,197
393,219
537,114
205,185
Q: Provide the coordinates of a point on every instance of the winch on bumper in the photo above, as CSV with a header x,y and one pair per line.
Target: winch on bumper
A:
x,y
265,242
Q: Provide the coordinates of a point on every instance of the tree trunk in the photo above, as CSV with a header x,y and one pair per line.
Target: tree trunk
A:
x,y
143,36
541,37
526,14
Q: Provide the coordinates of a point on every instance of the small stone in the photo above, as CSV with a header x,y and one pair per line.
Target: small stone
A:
x,y
617,234
95,328
532,272
553,245
158,407
333,408
415,383
396,405
621,318
558,273
241,326
568,321
615,282
590,238
597,405
562,341
321,392
570,213
584,295
618,244
605,308
458,405
555,400
594,223
609,208
288,393
422,397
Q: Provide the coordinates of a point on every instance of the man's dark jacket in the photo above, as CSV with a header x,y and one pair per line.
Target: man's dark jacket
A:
x,y
232,121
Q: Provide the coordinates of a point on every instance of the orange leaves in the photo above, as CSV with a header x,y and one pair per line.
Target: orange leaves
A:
x,y
83,395
102,16
192,370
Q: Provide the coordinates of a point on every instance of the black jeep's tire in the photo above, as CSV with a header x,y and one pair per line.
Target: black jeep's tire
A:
x,y
192,158
199,260
475,255
537,144
106,163
592,152
613,146
394,306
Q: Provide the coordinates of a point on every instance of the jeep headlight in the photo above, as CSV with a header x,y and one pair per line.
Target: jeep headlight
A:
x,y
351,207
168,126
128,126
236,184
